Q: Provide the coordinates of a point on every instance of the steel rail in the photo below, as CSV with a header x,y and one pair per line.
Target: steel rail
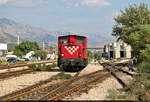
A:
x,y
29,91
109,68
6,97
58,96
23,65
14,73
79,87
60,90
40,90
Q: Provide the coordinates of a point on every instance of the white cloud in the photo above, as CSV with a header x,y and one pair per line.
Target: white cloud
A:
x,y
76,5
21,3
95,3
91,3
26,3
2,2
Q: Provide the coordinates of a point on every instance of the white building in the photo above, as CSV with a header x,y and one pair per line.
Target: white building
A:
x,y
118,49
29,55
3,49
51,54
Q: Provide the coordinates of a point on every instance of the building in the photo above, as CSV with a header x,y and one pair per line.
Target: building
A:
x,y
51,54
118,49
3,49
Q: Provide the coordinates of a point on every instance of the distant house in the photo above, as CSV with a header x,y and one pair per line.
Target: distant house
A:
x,y
29,55
51,54
3,49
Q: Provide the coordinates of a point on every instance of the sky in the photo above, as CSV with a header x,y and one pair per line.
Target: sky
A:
x,y
91,16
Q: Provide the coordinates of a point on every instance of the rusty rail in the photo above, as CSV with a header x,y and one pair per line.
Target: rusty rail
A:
x,y
28,92
22,65
14,73
59,90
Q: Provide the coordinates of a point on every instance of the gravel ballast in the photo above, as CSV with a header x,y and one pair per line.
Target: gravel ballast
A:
x,y
98,92
16,83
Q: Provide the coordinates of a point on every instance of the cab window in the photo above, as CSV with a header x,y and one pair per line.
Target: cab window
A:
x,y
63,40
80,40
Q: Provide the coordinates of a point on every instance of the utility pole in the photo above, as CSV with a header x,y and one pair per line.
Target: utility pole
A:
x,y
43,45
18,39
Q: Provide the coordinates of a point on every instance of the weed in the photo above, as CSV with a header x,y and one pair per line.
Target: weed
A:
x,y
144,67
32,66
112,94
61,76
42,67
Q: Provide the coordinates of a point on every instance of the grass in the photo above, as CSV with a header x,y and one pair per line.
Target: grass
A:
x,y
32,66
138,87
42,67
144,67
113,94
61,76
3,61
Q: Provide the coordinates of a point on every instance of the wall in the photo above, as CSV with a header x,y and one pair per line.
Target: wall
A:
x,y
3,46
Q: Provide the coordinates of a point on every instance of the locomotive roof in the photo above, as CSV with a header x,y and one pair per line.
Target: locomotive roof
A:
x,y
72,35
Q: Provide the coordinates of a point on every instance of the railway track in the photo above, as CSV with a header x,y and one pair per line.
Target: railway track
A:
x,y
118,67
6,75
50,91
22,65
58,91
15,73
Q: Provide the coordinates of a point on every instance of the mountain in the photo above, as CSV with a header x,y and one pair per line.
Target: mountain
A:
x,y
93,39
9,30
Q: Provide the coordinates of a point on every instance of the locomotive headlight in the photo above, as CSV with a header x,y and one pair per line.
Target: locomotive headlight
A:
x,y
62,54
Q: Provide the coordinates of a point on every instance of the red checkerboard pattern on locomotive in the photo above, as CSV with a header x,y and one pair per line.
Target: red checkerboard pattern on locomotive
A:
x,y
72,53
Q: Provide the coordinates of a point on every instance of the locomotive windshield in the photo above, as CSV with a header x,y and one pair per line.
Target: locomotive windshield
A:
x,y
80,40
63,40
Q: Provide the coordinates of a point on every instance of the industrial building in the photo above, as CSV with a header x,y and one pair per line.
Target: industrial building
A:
x,y
3,49
118,49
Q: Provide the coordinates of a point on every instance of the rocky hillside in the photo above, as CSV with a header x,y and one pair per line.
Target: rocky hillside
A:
x,y
9,30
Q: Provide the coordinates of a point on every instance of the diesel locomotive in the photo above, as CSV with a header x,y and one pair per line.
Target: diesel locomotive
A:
x,y
72,53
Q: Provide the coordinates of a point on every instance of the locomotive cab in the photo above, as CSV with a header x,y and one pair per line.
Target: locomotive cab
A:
x,y
72,52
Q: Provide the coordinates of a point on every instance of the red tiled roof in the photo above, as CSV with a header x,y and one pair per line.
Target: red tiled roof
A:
x,y
50,51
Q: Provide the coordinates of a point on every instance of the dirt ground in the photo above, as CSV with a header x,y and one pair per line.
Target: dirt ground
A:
x,y
16,83
99,92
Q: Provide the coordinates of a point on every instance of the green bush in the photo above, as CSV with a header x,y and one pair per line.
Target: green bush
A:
x,y
61,76
32,66
42,67
144,67
3,61
52,65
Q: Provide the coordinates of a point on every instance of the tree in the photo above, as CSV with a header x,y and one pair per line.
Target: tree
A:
x,y
134,15
90,55
25,47
133,27
40,54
